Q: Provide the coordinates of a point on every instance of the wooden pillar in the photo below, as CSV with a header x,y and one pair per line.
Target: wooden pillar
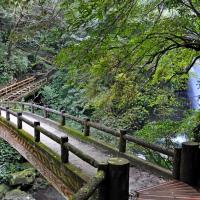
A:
x,y
19,121
22,105
7,114
62,122
103,188
36,132
189,163
176,163
45,111
118,179
64,150
122,141
86,127
32,108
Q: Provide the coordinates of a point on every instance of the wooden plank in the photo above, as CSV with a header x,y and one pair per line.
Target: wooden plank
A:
x,y
168,191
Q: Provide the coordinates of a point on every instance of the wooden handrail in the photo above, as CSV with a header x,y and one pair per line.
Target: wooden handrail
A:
x,y
149,145
67,146
80,154
89,189
35,84
116,133
16,86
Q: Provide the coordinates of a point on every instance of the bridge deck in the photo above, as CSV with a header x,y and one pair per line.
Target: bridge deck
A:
x,y
168,191
138,177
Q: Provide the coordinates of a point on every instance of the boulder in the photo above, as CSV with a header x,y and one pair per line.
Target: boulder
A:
x,y
18,195
25,177
3,189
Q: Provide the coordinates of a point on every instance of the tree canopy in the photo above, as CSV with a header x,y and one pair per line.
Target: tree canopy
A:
x,y
122,62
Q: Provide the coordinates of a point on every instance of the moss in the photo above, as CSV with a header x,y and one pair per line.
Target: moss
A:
x,y
24,177
3,189
69,170
78,135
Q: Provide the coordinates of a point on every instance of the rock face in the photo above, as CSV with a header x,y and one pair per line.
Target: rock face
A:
x,y
3,189
17,195
25,177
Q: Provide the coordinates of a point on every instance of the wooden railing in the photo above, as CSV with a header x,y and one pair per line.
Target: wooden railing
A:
x,y
17,95
121,134
106,171
186,159
16,86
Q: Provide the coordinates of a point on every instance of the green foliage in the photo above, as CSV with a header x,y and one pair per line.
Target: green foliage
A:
x,y
63,96
9,161
129,57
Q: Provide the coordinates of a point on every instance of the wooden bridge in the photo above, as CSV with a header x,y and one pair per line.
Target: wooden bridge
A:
x,y
25,87
80,167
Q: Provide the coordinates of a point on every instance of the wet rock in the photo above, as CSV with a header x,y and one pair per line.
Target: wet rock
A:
x,y
18,195
25,177
39,184
3,189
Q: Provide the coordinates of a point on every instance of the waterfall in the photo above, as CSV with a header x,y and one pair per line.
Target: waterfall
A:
x,y
194,86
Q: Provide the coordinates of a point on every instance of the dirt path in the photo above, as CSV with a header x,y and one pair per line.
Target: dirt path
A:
x,y
138,178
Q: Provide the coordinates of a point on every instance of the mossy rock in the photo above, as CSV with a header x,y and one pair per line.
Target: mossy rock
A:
x,y
3,189
25,177
18,195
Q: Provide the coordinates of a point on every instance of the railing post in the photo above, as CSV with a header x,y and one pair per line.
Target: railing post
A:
x,y
103,188
86,127
189,167
62,123
64,150
118,179
45,111
7,114
122,141
15,106
19,121
176,163
22,105
32,108
36,132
